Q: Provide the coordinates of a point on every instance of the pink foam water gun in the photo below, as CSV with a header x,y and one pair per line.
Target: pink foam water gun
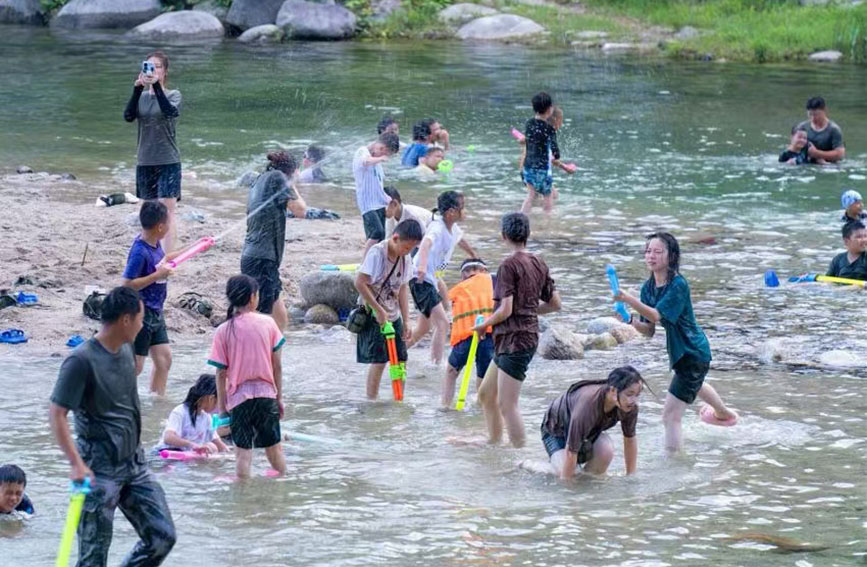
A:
x,y
200,246
518,135
170,455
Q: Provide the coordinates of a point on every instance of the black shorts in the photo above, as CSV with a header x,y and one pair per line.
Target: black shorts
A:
x,y
256,423
267,274
374,224
484,354
553,444
515,364
153,332
370,345
424,295
689,374
158,181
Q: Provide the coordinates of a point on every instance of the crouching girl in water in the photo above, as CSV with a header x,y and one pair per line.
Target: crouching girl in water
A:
x,y
573,428
665,299
189,426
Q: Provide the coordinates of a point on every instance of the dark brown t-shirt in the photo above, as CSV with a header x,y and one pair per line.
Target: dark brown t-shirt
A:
x,y
579,415
526,278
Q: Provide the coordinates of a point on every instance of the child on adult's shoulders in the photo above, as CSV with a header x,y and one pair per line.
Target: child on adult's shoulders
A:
x,y
428,164
796,153
853,262
853,207
13,499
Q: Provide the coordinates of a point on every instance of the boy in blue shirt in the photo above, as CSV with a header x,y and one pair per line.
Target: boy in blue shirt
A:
x,y
421,134
147,272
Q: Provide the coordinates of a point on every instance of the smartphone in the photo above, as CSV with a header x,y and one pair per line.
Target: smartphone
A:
x,y
147,68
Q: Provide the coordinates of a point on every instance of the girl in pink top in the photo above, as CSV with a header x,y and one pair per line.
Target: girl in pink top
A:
x,y
246,353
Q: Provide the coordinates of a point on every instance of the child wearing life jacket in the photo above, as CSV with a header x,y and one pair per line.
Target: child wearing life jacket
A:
x,y
472,297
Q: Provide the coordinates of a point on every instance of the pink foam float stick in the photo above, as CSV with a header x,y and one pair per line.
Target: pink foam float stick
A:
x,y
517,135
570,167
200,246
168,454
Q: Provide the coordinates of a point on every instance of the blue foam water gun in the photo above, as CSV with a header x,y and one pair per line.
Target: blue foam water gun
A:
x,y
619,306
218,422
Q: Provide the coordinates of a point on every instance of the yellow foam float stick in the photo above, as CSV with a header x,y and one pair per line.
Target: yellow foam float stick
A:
x,y
73,516
468,368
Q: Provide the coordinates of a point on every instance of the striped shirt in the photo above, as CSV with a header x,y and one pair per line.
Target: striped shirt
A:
x,y
368,183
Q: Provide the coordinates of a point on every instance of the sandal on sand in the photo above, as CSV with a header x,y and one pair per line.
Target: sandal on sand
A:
x,y
13,336
194,302
707,415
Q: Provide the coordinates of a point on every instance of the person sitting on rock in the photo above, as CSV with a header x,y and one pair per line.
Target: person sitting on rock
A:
x,y
825,137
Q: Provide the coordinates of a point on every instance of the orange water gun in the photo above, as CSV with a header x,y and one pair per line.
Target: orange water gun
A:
x,y
396,369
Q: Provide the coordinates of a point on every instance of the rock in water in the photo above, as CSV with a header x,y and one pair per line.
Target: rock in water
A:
x,y
602,341
825,56
624,333
321,315
559,343
603,325
501,27
841,359
335,289
267,33
81,14
186,24
247,14
309,20
24,169
21,12
464,12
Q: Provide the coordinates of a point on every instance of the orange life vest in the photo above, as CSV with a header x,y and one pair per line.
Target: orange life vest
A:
x,y
470,298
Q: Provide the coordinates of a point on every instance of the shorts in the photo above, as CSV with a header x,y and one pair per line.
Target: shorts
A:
x,y
158,181
374,224
267,274
689,374
515,364
153,332
553,444
424,295
540,179
370,347
484,354
256,423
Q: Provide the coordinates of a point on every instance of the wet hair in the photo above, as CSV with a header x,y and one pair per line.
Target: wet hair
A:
x,y
816,103
421,131
152,213
448,200
409,229
541,102
164,59
434,149
850,227
798,128
556,114
282,161
516,227
391,142
315,154
623,377
206,385
383,125
392,192
240,290
12,474
473,263
119,302
673,251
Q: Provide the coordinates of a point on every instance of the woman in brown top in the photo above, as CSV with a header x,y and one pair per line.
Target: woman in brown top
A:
x,y
572,430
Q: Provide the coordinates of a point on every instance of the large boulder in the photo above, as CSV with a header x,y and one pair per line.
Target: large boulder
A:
x,y
464,12
266,33
21,12
124,14
335,289
501,27
308,20
321,315
559,343
213,8
187,24
248,14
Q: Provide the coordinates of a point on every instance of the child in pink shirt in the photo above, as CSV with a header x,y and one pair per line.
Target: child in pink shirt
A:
x,y
246,353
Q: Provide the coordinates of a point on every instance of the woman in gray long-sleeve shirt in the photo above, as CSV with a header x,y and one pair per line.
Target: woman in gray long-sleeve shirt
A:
x,y
158,169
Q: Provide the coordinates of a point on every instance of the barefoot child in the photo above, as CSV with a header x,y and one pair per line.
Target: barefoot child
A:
x,y
369,177
524,290
853,262
246,353
665,299
382,285
556,122
472,297
189,425
541,145
397,211
13,481
574,425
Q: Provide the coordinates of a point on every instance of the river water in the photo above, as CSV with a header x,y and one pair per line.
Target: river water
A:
x,y
690,148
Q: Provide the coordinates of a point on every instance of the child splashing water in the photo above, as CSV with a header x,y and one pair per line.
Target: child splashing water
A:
x,y
189,425
665,299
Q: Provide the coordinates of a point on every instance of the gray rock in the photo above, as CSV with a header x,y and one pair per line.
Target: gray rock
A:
x,y
841,359
335,289
825,56
81,14
67,177
24,169
248,177
382,9
614,47
214,9
266,33
559,343
624,333
321,315
603,325
501,27
247,14
591,34
186,24
21,12
296,315
602,341
687,32
308,20
464,12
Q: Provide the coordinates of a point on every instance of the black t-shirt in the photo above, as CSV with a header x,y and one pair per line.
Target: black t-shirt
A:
x,y
100,387
828,138
841,267
541,138
266,229
801,157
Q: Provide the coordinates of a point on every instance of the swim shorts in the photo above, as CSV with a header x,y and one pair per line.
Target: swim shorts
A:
x,y
267,274
540,179
158,181
374,224
689,374
553,444
256,423
370,347
153,332
424,295
515,364
484,354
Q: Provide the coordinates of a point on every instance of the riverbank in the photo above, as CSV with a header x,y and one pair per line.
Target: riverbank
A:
x,y
48,224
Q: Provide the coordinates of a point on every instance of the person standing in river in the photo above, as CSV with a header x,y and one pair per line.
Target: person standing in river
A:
x,y
825,137
665,299
158,167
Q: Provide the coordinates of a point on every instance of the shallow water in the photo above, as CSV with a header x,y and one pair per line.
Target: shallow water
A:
x,y
686,147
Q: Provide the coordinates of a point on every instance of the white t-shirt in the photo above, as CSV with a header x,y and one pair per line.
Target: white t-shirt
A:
x,y
369,193
420,214
442,243
377,266
457,236
179,421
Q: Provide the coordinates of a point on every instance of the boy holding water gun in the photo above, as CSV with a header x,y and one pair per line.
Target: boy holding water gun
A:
x,y
382,284
541,151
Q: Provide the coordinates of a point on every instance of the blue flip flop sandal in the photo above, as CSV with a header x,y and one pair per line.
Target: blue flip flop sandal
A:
x,y
13,336
27,298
